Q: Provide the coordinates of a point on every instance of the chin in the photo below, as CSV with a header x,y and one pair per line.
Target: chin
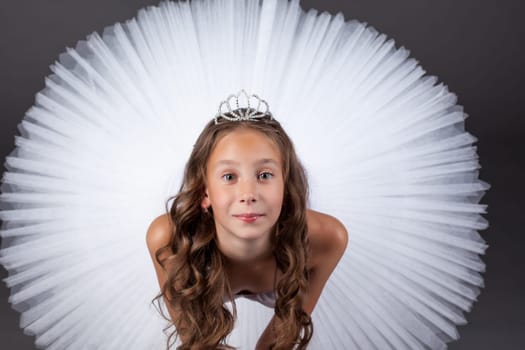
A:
x,y
252,235
252,232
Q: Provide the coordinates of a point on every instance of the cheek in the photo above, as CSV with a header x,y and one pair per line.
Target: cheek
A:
x,y
278,197
219,198
222,202
280,200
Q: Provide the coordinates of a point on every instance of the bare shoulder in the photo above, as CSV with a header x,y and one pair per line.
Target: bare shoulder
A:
x,y
325,230
158,236
327,236
159,232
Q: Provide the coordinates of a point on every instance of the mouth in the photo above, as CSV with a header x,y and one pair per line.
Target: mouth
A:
x,y
248,217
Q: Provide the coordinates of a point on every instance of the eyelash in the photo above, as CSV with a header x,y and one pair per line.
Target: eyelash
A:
x,y
265,172
259,176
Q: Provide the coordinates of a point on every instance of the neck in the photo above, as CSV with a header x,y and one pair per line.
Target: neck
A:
x,y
245,251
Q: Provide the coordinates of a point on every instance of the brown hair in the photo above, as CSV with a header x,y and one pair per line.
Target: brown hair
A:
x,y
195,283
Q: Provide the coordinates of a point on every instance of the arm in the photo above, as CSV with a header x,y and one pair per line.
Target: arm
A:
x,y
158,235
267,336
328,240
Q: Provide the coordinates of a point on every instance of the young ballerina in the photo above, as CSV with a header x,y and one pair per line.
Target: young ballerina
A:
x,y
239,226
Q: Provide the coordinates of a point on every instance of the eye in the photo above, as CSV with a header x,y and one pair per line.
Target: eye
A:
x,y
265,175
228,177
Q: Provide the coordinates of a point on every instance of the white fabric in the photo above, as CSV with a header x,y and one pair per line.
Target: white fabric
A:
x,y
265,298
106,141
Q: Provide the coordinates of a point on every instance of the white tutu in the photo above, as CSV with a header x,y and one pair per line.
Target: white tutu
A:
x,y
107,140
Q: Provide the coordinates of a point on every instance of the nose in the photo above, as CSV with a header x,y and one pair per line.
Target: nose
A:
x,y
248,197
248,192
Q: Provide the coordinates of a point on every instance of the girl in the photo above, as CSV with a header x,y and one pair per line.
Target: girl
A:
x,y
391,159
239,226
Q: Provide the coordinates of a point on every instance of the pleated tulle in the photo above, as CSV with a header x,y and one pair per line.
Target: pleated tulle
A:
x,y
105,144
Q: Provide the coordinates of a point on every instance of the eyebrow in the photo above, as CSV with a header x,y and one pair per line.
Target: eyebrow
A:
x,y
262,161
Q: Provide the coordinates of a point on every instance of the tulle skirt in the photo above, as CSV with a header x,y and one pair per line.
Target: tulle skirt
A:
x,y
105,144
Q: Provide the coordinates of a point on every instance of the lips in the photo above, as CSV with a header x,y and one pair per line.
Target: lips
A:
x,y
248,217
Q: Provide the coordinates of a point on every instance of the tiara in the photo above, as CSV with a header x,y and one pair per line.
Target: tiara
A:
x,y
243,107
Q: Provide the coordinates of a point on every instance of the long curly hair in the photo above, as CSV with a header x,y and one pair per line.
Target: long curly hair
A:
x,y
196,285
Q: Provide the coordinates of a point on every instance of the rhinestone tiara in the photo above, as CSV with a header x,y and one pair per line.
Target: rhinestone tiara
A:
x,y
243,107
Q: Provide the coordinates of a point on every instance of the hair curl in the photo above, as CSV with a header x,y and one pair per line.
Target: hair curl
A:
x,y
195,283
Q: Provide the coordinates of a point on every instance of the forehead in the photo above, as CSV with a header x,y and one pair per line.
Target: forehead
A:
x,y
244,145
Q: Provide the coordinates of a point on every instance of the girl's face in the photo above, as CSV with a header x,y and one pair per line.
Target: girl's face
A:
x,y
244,185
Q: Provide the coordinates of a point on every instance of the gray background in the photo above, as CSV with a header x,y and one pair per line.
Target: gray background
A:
x,y
475,47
